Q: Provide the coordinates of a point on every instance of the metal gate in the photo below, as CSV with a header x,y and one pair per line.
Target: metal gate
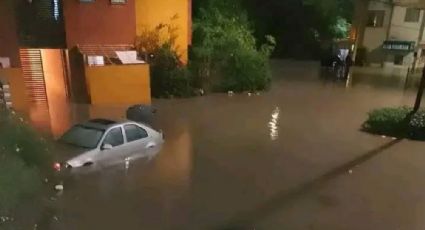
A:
x,y
32,68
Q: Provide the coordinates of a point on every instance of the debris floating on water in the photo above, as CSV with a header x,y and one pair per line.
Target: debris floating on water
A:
x,y
59,187
230,93
201,92
383,136
249,94
350,171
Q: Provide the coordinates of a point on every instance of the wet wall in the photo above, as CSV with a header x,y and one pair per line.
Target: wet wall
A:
x,y
99,22
8,34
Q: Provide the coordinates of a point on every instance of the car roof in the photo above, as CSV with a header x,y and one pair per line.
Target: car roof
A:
x,y
99,123
105,124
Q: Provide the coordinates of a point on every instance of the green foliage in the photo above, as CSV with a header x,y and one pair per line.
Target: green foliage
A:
x,y
18,183
245,70
299,26
225,55
392,122
23,158
18,138
417,126
387,121
341,8
169,77
333,17
341,28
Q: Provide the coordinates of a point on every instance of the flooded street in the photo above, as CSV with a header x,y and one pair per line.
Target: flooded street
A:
x,y
277,160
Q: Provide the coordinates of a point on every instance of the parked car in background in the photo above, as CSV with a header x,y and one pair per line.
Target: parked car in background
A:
x,y
141,113
101,142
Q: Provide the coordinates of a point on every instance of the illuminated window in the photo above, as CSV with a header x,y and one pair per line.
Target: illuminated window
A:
x,y
56,12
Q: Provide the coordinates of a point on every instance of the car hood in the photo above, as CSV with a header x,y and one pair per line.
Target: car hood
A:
x,y
64,152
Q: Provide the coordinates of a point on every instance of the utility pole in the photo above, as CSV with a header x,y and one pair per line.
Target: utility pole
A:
x,y
420,93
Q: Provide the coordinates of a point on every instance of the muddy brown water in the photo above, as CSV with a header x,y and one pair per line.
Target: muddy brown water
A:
x,y
227,155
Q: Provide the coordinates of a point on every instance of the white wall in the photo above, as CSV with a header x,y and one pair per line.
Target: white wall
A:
x,y
375,37
401,30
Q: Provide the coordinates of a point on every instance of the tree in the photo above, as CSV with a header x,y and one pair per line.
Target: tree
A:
x,y
169,76
225,50
300,26
25,161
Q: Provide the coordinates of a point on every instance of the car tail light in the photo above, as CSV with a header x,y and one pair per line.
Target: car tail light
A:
x,y
57,166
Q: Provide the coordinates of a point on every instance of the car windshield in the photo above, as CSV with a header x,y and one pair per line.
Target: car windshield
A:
x,y
82,136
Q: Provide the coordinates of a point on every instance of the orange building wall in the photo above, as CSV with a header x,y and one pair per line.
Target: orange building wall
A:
x,y
150,13
99,22
8,33
119,84
54,79
17,87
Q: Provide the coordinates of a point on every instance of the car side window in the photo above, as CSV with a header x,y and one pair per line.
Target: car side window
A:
x,y
134,133
114,137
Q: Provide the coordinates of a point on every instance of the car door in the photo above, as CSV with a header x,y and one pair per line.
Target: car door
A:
x,y
113,148
137,140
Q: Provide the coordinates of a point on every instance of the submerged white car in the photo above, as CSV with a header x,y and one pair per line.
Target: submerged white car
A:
x,y
100,142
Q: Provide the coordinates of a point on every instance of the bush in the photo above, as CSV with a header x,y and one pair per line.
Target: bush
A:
x,y
387,121
225,55
417,126
19,139
24,158
392,122
169,77
18,183
245,70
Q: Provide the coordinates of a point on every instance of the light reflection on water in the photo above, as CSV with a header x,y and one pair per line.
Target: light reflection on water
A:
x,y
210,166
273,124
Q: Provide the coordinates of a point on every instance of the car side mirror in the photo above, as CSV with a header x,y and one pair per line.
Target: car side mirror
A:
x,y
106,146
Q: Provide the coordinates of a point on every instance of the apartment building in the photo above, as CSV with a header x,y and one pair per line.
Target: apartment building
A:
x,y
69,48
389,34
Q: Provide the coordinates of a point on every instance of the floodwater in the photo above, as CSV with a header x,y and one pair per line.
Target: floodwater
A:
x,y
236,162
